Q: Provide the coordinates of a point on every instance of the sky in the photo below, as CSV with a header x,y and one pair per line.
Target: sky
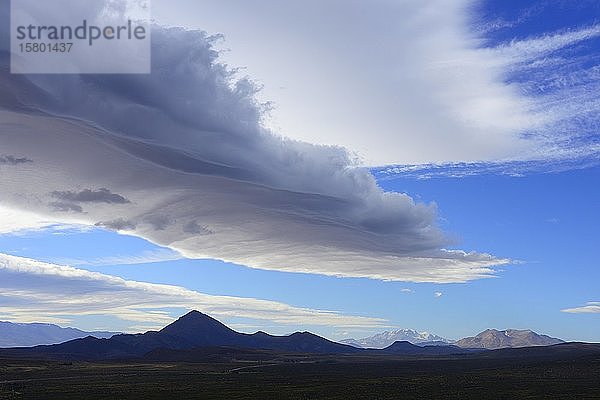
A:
x,y
343,167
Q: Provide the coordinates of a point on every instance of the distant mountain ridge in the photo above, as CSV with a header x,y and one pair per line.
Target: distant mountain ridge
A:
x,y
198,336
387,338
193,330
492,339
489,339
26,335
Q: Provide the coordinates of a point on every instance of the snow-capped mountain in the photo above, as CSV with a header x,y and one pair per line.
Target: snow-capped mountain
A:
x,y
385,339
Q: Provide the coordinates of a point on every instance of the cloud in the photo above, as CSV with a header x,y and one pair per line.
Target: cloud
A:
x,y
15,221
406,290
461,170
194,228
146,257
519,51
438,294
65,207
557,78
558,73
196,171
102,195
119,224
31,289
414,82
12,160
592,307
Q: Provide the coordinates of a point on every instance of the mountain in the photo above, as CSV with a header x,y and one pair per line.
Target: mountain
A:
x,y
192,331
387,338
199,330
493,339
436,343
198,337
407,348
25,335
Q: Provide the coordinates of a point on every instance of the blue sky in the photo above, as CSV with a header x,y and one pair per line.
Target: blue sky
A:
x,y
483,210
547,221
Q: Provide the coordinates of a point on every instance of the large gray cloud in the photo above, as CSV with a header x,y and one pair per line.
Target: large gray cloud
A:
x,y
186,148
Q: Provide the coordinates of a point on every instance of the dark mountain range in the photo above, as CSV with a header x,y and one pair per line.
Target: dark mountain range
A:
x,y
25,335
193,330
196,337
407,348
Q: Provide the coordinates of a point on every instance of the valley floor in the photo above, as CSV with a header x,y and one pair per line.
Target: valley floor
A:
x,y
319,378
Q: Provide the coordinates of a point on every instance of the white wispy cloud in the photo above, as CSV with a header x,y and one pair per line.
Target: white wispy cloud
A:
x,y
519,51
36,291
461,170
146,257
563,87
592,307
557,87
15,220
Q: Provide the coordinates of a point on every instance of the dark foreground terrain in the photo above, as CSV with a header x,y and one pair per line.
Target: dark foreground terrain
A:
x,y
304,377
198,357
